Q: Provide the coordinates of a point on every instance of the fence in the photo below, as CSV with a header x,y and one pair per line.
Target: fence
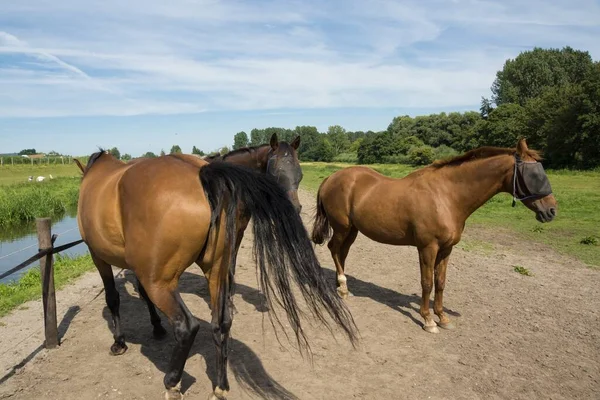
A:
x,y
48,160
45,254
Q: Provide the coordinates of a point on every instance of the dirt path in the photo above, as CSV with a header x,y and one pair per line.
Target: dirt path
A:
x,y
517,337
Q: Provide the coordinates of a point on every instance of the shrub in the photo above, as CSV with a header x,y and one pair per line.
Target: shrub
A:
x,y
421,155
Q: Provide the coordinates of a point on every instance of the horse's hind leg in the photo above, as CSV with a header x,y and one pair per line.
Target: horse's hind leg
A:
x,y
159,332
113,302
185,328
339,245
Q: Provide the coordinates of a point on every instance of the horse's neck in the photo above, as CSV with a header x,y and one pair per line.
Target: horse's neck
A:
x,y
253,159
473,183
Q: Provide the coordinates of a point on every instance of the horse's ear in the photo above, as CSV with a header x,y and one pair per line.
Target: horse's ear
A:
x,y
522,148
296,143
274,141
81,167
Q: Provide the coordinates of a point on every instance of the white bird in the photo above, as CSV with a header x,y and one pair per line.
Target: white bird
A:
x,y
40,178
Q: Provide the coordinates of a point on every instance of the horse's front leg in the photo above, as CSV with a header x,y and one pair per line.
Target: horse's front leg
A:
x,y
440,282
427,259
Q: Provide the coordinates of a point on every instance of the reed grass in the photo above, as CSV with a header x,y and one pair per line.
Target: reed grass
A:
x,y
23,202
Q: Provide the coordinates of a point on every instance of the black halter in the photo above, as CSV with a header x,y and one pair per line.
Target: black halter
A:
x,y
529,180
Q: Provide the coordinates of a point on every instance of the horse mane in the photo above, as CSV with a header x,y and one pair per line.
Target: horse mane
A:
x,y
482,153
93,158
249,149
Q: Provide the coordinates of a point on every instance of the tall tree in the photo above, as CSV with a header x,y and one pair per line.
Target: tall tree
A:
x,y
336,135
115,152
197,151
240,140
175,149
27,152
533,72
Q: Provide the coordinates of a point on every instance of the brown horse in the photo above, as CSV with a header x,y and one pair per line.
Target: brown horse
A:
x,y
157,216
278,159
426,209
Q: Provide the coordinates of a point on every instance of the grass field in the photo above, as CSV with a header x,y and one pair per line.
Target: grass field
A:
x,y
22,201
10,174
575,231
29,286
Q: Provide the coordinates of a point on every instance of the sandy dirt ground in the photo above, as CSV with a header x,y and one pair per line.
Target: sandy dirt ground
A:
x,y
517,337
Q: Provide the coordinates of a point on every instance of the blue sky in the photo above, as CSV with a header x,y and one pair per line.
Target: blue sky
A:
x,y
146,74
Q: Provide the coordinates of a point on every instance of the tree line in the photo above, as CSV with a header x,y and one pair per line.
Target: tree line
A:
x,y
549,96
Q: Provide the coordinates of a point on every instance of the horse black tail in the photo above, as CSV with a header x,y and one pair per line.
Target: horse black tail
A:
x,y
282,248
321,228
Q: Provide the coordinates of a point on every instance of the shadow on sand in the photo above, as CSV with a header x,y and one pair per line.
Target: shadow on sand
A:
x,y
396,301
245,365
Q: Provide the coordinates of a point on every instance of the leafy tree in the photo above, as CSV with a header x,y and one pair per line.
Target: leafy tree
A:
x,y
27,152
309,142
533,72
162,152
224,150
374,148
115,152
149,154
504,126
486,107
240,140
197,151
336,135
126,157
175,149
421,155
356,144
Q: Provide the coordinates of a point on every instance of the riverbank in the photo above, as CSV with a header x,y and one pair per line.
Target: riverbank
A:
x,y
21,203
29,286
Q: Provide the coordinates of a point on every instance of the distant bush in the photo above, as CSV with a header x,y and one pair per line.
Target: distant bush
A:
x,y
443,152
350,157
422,155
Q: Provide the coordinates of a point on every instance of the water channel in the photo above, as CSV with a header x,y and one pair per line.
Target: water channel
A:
x,y
20,243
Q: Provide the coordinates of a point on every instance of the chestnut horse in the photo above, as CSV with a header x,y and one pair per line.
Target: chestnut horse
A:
x,y
426,209
157,216
278,159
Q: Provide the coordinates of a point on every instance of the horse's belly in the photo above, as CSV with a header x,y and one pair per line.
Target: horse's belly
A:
x,y
384,232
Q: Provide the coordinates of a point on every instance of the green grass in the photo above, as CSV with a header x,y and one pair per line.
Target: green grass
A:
x,y
573,232
23,202
522,270
10,174
29,286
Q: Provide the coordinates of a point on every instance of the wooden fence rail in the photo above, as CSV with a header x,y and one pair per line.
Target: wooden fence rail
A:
x,y
45,254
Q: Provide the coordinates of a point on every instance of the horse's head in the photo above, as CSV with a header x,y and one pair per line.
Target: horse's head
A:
x,y
283,164
530,184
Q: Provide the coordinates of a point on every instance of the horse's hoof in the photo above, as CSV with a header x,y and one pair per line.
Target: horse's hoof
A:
x,y
118,348
344,293
218,394
431,329
159,332
174,393
449,326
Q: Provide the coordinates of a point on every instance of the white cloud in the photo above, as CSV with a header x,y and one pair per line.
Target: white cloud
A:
x,y
110,57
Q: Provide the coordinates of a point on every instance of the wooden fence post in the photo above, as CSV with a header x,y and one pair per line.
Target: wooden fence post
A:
x,y
47,272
